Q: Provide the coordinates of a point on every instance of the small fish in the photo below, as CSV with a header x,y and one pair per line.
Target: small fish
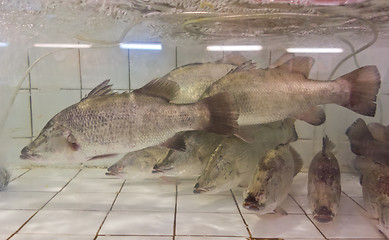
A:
x,y
363,143
375,189
324,183
105,123
5,176
233,162
141,161
271,182
284,91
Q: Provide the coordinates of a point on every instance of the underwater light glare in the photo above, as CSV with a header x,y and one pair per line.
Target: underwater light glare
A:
x,y
61,45
3,44
141,46
314,50
235,48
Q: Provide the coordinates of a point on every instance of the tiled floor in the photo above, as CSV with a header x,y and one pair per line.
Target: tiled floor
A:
x,y
45,203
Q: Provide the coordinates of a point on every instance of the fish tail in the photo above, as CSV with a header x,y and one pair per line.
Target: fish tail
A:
x,y
358,134
328,146
364,84
223,114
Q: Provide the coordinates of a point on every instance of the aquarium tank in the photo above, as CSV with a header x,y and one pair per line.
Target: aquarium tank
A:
x,y
194,120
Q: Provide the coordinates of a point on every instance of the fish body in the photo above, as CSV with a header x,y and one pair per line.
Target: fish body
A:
x,y
375,189
271,182
268,95
104,123
234,161
363,143
324,183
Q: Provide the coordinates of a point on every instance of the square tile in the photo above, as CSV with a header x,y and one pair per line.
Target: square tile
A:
x,y
276,226
58,70
112,64
24,200
289,205
94,185
196,54
93,173
147,65
51,173
138,223
345,226
65,222
209,238
43,112
18,122
207,203
18,172
11,148
37,184
145,202
346,206
134,238
299,185
33,236
81,201
11,220
213,224
148,186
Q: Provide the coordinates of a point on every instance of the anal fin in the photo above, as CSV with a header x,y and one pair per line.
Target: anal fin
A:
x,y
314,116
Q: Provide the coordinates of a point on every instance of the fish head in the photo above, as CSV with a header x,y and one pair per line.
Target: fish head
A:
x,y
323,214
55,142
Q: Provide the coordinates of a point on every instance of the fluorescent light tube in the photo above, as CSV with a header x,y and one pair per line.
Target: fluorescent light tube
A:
x,y
314,50
61,45
235,48
3,44
141,46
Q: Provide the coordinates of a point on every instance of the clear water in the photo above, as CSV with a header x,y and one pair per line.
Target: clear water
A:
x,y
36,83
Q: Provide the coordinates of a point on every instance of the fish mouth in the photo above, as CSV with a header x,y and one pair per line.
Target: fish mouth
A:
x,y
199,189
323,215
161,169
26,154
251,204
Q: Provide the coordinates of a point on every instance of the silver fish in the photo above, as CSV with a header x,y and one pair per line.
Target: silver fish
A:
x,y
140,161
234,160
271,183
324,183
268,95
363,143
5,176
104,123
375,189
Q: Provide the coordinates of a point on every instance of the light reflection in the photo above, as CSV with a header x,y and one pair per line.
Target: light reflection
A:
x,y
314,50
141,46
3,44
235,48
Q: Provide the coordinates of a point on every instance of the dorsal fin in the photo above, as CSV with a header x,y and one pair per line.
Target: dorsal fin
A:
x,y
281,60
161,88
100,90
328,146
246,66
298,64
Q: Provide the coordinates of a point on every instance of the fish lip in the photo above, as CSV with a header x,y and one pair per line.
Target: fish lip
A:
x,y
26,156
202,189
323,218
252,205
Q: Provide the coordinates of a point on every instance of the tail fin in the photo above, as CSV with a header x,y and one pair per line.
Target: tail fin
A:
x,y
358,134
223,114
364,85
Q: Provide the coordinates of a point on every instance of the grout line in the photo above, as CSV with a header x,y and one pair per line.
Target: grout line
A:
x,y
110,209
44,205
305,213
354,201
20,175
176,57
30,96
79,71
129,69
175,215
241,215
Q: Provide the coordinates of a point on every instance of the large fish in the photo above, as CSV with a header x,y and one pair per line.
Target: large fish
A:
x,y
5,177
324,183
375,189
233,162
268,95
104,123
271,182
363,143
